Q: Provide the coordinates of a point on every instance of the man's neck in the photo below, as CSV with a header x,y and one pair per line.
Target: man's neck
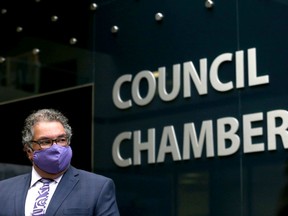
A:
x,y
44,174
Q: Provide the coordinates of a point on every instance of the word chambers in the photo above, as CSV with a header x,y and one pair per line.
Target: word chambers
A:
x,y
193,144
227,140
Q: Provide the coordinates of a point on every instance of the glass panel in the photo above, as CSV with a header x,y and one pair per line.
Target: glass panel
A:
x,y
11,170
180,158
262,24
44,47
193,196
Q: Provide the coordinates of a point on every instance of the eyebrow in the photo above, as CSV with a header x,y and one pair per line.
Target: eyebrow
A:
x,y
45,137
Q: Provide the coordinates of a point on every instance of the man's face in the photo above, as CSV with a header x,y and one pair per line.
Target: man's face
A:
x,y
46,130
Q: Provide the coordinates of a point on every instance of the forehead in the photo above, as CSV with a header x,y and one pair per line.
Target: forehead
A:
x,y
48,129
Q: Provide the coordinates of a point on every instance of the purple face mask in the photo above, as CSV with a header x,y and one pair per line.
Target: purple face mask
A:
x,y
54,159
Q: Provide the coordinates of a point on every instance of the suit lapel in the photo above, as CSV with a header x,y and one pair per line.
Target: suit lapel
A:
x,y
21,193
66,185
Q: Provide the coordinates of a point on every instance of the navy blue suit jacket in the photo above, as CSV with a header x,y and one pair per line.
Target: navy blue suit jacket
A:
x,y
78,193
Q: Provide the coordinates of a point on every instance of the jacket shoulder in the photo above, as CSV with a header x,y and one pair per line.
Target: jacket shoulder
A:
x,y
88,175
15,178
10,183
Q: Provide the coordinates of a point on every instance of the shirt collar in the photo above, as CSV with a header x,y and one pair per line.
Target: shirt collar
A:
x,y
35,177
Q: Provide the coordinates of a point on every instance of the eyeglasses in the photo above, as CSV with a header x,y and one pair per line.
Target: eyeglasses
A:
x,y
47,143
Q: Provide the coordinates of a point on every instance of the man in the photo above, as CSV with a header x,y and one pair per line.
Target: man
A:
x,y
54,187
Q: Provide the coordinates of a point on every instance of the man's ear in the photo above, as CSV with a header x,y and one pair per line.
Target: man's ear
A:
x,y
29,151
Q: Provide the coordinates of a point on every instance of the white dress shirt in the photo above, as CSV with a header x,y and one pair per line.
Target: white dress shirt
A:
x,y
32,194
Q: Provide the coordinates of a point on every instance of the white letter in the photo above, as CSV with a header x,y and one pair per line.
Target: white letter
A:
x,y
116,150
239,69
190,136
146,146
118,102
249,132
175,84
148,75
168,136
252,70
214,76
275,128
227,134
200,83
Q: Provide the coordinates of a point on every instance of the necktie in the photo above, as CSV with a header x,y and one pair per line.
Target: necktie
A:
x,y
40,202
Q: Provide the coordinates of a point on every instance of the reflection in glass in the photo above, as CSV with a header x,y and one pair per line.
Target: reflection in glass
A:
x,y
193,194
10,170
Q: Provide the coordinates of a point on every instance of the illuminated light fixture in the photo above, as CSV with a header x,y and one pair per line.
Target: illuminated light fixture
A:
x,y
3,11
35,51
114,29
73,40
19,29
159,16
156,74
2,59
54,18
93,6
209,3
